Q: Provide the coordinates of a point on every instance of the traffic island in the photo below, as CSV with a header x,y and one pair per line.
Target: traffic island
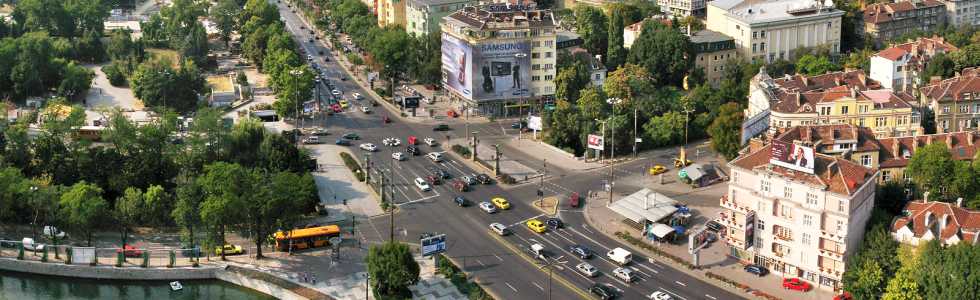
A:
x,y
547,205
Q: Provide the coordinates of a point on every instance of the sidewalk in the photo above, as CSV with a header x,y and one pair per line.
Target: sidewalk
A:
x,y
713,259
338,189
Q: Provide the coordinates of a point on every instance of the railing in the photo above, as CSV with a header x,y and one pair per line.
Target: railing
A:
x,y
732,205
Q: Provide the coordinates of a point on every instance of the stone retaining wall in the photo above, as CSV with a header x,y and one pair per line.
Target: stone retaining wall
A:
x,y
108,272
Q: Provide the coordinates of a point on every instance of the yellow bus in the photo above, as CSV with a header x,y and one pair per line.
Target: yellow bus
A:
x,y
306,237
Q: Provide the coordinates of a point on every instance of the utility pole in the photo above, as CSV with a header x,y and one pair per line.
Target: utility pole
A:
x,y
391,215
496,160
612,161
367,166
474,145
634,131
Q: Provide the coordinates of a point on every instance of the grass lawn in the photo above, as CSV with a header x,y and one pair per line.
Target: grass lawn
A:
x,y
160,54
220,83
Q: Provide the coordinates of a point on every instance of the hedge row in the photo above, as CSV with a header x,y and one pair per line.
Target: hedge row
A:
x,y
447,269
646,246
462,151
352,164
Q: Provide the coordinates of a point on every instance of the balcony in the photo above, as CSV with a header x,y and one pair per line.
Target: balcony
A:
x,y
727,218
831,254
731,205
833,236
734,242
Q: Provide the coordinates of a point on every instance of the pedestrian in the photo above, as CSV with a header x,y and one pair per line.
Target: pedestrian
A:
x,y
305,278
345,201
314,279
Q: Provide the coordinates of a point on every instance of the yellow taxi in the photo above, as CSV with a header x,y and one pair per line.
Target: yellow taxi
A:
x,y
536,226
500,203
229,250
343,103
658,169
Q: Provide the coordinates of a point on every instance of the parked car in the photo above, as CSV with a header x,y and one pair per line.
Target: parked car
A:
x,y
398,156
336,108
844,296
366,109
335,92
443,173
500,229
658,169
484,179
229,250
351,136
391,142
422,184
6,242
53,232
460,186
500,203
587,269
430,141
714,226
554,223
440,127
461,201
319,132
660,295
413,150
435,156
130,251
796,284
756,269
487,207
30,245
342,142
434,180
343,104
580,251
471,180
625,274
602,291
311,140
368,147
357,96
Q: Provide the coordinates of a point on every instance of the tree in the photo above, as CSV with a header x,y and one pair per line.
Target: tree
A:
x,y
83,209
931,168
592,105
226,188
121,45
664,52
940,65
195,45
725,131
77,79
13,186
281,199
186,210
570,81
129,211
813,65
616,54
627,83
157,84
565,127
903,286
295,90
665,130
387,48
225,16
592,25
876,261
392,269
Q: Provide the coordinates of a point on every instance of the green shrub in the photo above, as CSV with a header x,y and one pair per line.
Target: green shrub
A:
x,y
115,74
462,150
352,165
506,179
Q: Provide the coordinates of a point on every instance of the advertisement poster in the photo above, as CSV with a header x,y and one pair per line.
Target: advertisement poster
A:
x,y
501,70
749,230
792,156
456,65
595,142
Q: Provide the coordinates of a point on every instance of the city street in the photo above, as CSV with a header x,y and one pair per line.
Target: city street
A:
x,y
492,260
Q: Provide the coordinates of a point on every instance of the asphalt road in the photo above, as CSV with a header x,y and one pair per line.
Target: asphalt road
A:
x,y
493,261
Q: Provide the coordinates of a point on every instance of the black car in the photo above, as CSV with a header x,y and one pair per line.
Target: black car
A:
x,y
460,201
554,223
484,179
604,292
440,127
756,269
442,173
580,251
342,142
7,243
413,150
714,226
351,136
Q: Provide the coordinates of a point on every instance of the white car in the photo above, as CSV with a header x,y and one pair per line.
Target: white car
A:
x,y
487,207
52,231
310,140
366,109
357,96
660,295
368,147
624,274
587,269
398,156
309,57
422,185
30,245
336,92
430,141
435,156
391,142
500,229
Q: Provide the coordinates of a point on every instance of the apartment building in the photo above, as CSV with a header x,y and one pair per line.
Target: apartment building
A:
x,y
886,21
391,13
632,31
833,98
923,221
683,8
900,66
712,49
798,217
768,30
962,12
499,59
955,102
423,16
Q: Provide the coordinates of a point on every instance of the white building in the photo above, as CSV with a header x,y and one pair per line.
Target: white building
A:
x,y
898,67
798,222
682,8
768,30
962,12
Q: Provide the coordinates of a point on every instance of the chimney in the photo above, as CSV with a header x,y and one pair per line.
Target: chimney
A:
x,y
799,99
959,202
896,146
925,197
854,92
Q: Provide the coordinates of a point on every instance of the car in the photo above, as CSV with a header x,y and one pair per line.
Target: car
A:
x,y
460,186
500,229
229,250
624,274
536,226
796,284
484,179
422,184
342,142
587,269
602,291
351,136
658,169
365,109
336,108
368,147
487,207
357,96
756,269
435,156
413,150
398,156
554,223
660,295
440,127
714,226
309,57
430,141
392,142
471,180
443,173
461,201
311,140
335,92
844,296
130,251
7,243
30,245
580,251
319,131
53,232
343,104
434,180
500,203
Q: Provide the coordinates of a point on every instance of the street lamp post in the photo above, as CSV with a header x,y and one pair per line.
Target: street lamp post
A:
x,y
612,149
296,74
523,99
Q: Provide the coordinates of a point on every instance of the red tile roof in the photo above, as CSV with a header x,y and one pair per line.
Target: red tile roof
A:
x,y
920,49
961,221
954,89
819,136
962,146
800,93
837,175
885,12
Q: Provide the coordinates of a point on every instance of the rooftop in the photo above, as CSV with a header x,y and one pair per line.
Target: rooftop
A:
x,y
898,150
963,87
922,217
885,12
818,136
836,175
644,205
503,16
709,36
434,2
917,48
800,93
756,11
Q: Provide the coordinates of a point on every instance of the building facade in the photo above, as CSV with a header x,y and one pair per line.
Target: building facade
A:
x,y
886,21
683,8
423,16
899,67
955,102
962,12
391,13
500,59
923,221
797,222
712,49
771,30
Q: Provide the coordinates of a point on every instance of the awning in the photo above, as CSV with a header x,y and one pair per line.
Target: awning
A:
x,y
644,206
660,230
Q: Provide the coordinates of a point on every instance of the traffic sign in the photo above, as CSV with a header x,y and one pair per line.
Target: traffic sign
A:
x,y
433,244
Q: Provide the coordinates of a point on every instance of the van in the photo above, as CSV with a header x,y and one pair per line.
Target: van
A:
x,y
620,256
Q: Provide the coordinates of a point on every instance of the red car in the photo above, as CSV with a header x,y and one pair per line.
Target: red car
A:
x,y
130,251
412,140
844,296
796,284
387,120
336,108
573,201
452,114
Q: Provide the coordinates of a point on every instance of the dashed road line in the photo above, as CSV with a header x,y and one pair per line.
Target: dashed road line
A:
x,y
680,283
539,287
481,263
510,286
710,297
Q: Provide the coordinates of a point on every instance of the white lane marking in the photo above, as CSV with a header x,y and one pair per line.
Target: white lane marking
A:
x,y
675,294
510,286
648,268
590,239
536,284
710,297
563,236
419,200
525,220
481,263
586,227
680,283
498,257
639,271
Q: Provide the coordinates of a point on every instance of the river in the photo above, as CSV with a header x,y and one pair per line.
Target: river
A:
x,y
29,286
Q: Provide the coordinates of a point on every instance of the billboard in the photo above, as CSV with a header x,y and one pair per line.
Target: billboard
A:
x,y
487,71
754,126
749,230
595,142
433,244
792,156
534,123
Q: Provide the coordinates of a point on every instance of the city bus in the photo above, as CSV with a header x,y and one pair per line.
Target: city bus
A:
x,y
306,238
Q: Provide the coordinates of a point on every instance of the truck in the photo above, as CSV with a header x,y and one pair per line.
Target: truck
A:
x,y
538,251
620,256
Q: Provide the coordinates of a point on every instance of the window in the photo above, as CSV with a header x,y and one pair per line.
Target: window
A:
x,y
535,55
762,47
535,78
866,160
762,34
535,67
547,54
824,111
807,220
548,77
811,199
806,239
537,44
886,175
880,121
787,192
844,110
754,47
945,109
840,226
964,108
735,177
760,224
548,66
841,205
548,43
945,124
765,186
755,34
786,211
862,109
907,177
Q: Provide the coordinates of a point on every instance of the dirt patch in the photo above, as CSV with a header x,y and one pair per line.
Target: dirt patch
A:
x,y
220,83
161,54
548,205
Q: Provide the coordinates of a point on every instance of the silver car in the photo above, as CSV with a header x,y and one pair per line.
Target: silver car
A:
x,y
488,207
587,269
500,229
